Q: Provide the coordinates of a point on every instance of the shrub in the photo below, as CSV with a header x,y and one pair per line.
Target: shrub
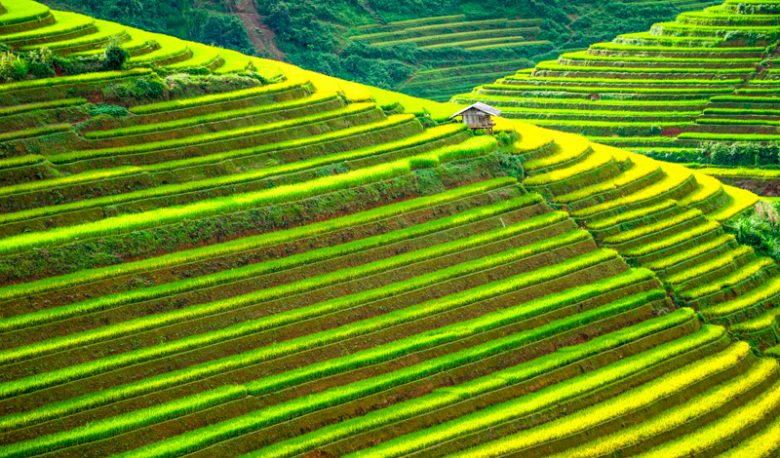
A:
x,y
115,56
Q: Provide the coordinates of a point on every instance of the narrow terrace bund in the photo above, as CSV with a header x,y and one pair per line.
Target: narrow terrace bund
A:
x,y
709,76
278,269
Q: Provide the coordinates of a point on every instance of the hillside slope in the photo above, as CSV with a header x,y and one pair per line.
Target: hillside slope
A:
x,y
683,91
430,49
256,259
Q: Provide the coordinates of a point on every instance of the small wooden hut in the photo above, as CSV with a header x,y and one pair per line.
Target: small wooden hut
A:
x,y
479,116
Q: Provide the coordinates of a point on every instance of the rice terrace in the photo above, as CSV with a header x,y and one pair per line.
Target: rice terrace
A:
x,y
402,228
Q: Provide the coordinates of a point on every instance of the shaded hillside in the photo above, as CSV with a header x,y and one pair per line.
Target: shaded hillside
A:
x,y
229,255
421,54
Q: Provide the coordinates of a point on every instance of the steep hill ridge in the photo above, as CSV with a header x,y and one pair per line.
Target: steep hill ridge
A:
x,y
294,264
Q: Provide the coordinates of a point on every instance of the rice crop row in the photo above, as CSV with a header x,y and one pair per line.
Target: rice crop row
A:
x,y
471,147
263,268
200,139
255,420
221,97
763,408
46,105
59,376
211,117
253,242
553,395
647,394
674,417
446,396
723,283
34,132
653,228
233,203
448,333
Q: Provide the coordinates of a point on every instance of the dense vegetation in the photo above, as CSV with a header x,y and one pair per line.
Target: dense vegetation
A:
x,y
315,34
208,253
202,21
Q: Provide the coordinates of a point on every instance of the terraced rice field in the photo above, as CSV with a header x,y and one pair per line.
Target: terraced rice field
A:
x,y
709,76
479,38
286,269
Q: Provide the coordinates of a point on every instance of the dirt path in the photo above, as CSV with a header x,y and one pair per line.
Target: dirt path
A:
x,y
260,35
367,6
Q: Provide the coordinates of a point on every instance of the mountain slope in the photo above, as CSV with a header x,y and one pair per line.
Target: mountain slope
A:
x,y
683,91
257,259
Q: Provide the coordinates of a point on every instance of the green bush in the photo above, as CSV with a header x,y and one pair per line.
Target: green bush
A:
x,y
114,56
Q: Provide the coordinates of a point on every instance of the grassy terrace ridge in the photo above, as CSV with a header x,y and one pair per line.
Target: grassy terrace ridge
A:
x,y
249,258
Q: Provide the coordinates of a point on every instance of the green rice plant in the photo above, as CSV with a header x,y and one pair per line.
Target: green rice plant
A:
x,y
769,289
664,185
461,36
39,381
590,114
204,208
623,81
110,427
764,321
739,122
637,171
741,111
220,431
389,122
66,23
631,215
223,135
83,78
93,175
21,161
513,101
705,30
251,243
34,132
263,268
653,228
454,27
677,416
47,105
761,409
430,135
710,265
554,66
640,397
698,249
727,281
594,162
406,23
743,99
584,55
673,240
765,444
446,396
20,11
611,124
221,97
565,150
106,32
211,117
472,147
607,89
612,46
448,333
555,394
